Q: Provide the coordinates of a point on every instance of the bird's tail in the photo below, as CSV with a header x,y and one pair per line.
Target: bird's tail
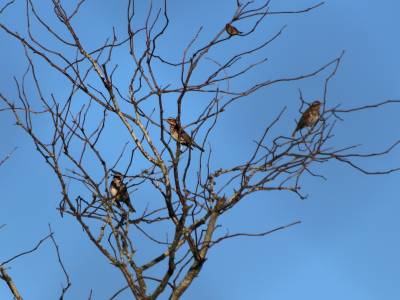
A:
x,y
295,130
198,147
131,208
124,217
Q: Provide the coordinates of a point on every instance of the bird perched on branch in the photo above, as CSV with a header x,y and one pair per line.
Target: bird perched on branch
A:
x,y
231,30
179,135
119,192
309,117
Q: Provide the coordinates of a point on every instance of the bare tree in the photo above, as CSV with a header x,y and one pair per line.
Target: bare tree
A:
x,y
190,191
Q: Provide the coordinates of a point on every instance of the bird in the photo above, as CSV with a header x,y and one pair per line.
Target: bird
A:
x,y
119,192
231,30
309,117
179,135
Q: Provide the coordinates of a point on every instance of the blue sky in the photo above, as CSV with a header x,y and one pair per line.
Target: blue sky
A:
x,y
347,244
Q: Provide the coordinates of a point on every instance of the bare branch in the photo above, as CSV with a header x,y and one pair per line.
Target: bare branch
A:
x,y
26,252
7,156
10,283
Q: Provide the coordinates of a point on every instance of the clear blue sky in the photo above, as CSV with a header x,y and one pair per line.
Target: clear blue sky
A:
x,y
347,246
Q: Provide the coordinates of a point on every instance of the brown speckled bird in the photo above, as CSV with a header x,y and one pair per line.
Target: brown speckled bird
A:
x,y
119,192
179,135
231,30
309,117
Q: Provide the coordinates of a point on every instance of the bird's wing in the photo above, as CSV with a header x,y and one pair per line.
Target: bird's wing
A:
x,y
302,122
126,198
185,138
124,193
304,118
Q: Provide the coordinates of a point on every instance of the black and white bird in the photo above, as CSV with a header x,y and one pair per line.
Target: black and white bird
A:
x,y
119,192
